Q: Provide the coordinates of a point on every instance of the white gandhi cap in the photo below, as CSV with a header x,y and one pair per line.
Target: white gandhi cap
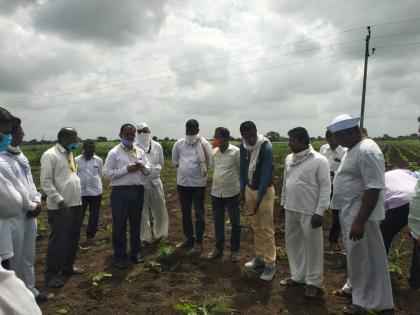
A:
x,y
342,122
141,126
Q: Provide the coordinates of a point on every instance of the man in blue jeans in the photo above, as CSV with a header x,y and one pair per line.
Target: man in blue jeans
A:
x,y
225,193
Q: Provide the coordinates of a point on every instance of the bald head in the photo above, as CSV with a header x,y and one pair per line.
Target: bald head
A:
x,y
66,136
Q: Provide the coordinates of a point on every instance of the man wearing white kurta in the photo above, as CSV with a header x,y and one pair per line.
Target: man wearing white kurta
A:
x,y
154,196
305,195
24,226
359,190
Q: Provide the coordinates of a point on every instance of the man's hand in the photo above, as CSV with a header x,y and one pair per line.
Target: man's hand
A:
x,y
357,230
316,221
242,197
254,211
133,168
36,212
63,205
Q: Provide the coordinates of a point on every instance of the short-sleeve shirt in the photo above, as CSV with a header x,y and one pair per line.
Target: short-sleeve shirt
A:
x,y
363,168
226,172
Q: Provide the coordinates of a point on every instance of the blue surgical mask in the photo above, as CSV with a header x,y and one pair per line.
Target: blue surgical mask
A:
x,y
5,142
127,142
72,147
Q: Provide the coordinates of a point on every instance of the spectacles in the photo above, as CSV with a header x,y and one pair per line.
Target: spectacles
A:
x,y
142,131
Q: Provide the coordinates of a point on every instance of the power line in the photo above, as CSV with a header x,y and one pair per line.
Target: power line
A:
x,y
190,72
203,80
396,22
223,77
18,101
84,87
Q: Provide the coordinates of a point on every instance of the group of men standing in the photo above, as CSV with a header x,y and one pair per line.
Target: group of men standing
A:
x,y
347,176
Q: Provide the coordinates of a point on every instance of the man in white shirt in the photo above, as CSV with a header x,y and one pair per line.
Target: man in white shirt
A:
x,y
15,298
61,184
305,196
359,190
334,154
24,226
225,193
7,121
126,167
154,196
89,170
192,156
414,225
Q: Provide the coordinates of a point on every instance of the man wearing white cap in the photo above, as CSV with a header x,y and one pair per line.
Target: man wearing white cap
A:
x,y
154,196
359,193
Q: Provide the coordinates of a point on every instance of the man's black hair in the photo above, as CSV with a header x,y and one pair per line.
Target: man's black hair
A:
x,y
126,125
224,132
247,126
87,142
192,124
6,117
64,132
328,134
299,133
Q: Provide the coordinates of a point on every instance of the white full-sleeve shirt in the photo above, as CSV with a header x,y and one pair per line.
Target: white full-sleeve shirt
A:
x,y
363,168
334,157
21,169
11,200
225,172
90,174
186,158
58,180
306,184
15,298
154,153
115,167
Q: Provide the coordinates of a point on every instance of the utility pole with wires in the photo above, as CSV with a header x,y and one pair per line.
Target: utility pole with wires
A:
x,y
367,55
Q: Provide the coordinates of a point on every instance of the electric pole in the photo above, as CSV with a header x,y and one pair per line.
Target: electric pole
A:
x,y
367,55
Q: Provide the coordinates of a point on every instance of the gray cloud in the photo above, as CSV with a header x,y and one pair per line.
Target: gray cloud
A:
x,y
103,21
10,6
91,52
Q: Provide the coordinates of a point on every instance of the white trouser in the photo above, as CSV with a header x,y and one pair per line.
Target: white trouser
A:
x,y
367,265
23,261
6,245
154,199
305,249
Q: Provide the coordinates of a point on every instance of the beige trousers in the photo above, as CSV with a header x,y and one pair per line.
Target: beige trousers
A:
x,y
263,224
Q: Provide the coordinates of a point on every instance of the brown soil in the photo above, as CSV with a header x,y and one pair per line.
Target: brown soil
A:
x,y
187,278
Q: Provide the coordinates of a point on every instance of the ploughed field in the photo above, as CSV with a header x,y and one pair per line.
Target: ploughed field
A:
x,y
171,282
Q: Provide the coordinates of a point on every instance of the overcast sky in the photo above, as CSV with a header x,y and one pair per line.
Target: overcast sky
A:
x,y
95,64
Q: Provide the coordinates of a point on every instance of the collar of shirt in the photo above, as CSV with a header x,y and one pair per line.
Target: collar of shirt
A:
x,y
229,148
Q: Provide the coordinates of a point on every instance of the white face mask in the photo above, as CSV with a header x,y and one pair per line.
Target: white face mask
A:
x,y
191,139
143,139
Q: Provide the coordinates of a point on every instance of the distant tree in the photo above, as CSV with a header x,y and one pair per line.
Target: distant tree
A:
x,y
101,139
166,139
273,136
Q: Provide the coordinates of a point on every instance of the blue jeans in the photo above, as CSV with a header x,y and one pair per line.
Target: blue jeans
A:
x,y
219,205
